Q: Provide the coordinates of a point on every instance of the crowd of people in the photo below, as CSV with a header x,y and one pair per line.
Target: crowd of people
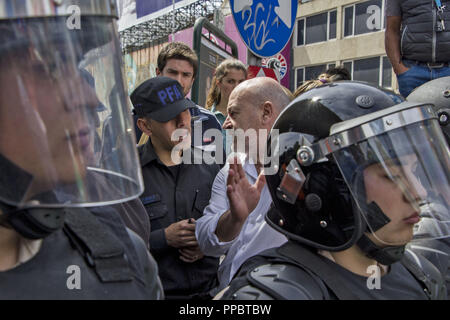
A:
x,y
342,192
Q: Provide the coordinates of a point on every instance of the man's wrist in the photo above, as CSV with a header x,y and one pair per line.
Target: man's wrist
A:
x,y
228,227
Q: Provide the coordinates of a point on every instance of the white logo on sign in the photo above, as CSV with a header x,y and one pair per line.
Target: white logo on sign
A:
x,y
284,12
240,5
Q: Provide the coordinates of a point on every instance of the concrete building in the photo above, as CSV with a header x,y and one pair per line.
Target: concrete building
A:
x,y
341,32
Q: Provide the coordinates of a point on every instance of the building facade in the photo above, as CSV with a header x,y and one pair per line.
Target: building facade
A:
x,y
341,32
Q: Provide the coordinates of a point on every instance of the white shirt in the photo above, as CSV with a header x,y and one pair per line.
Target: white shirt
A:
x,y
255,236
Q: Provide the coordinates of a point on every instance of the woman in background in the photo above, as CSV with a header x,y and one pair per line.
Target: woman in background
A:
x,y
229,73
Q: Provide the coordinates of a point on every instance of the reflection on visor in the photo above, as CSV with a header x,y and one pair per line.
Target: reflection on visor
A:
x,y
405,172
66,113
434,222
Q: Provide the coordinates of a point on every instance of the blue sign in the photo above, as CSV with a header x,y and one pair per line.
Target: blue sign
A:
x,y
265,25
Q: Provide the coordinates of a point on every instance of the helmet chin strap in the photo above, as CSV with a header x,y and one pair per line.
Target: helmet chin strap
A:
x,y
386,256
32,223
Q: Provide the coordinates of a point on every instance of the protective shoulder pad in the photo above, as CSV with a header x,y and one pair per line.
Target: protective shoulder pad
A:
x,y
101,248
250,292
428,275
283,281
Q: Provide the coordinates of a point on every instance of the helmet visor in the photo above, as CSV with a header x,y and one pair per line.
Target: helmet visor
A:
x,y
399,179
66,136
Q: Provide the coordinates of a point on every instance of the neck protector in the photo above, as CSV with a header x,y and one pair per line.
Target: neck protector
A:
x,y
386,256
31,223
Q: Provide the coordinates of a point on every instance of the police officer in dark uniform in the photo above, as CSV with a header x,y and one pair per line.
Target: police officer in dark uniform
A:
x,y
60,234
436,92
355,175
178,184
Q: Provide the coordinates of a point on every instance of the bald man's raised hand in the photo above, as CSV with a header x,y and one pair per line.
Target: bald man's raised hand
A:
x,y
243,196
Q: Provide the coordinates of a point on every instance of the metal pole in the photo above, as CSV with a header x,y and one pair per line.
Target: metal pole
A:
x,y
173,19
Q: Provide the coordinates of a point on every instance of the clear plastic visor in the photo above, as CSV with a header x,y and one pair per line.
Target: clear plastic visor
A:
x,y
66,134
400,181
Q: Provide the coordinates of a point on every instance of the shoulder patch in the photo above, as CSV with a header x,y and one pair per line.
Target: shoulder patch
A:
x,y
151,199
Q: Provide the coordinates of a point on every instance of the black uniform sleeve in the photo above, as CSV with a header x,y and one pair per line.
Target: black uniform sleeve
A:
x,y
158,241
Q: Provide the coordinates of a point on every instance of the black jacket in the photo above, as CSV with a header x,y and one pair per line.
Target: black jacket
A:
x,y
296,272
421,38
169,199
94,247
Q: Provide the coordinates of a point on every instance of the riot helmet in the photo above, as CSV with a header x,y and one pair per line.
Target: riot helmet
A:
x,y
436,92
61,79
334,144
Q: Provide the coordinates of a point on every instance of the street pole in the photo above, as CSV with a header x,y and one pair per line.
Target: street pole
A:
x,y
173,20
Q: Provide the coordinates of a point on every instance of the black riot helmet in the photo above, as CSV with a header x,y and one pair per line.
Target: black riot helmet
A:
x,y
325,148
50,158
436,92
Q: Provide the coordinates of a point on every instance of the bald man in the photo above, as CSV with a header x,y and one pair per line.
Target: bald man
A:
x,y
224,229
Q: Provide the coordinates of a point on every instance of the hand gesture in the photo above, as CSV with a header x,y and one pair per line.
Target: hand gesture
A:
x,y
243,196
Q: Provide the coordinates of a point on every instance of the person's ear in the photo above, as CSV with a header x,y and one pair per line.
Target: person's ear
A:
x,y
144,125
158,72
267,112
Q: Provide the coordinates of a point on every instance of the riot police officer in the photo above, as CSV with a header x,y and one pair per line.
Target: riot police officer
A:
x,y
355,173
60,236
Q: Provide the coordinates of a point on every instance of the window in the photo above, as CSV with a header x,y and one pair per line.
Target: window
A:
x,y
349,67
367,70
348,21
365,17
386,73
314,72
376,71
299,76
317,28
308,73
332,26
300,32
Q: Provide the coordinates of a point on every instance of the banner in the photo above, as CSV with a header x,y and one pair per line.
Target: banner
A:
x,y
156,8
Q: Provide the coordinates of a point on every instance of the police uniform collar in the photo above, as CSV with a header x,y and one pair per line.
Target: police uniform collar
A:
x,y
147,153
